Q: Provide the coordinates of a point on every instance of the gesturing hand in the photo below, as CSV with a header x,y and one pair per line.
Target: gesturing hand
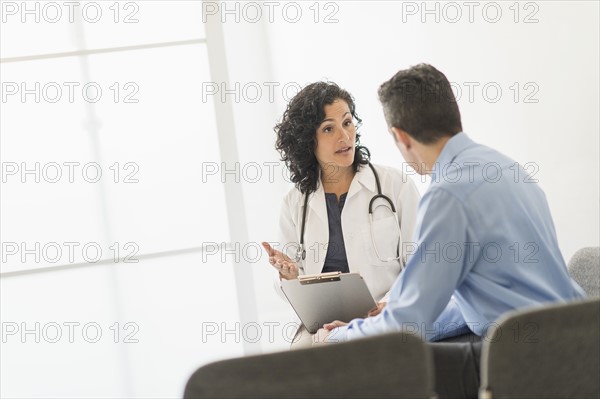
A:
x,y
287,268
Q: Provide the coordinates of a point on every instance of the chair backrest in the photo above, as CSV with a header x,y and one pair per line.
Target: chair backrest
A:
x,y
548,352
393,365
584,267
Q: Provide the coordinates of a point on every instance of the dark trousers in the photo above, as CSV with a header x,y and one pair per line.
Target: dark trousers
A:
x,y
456,366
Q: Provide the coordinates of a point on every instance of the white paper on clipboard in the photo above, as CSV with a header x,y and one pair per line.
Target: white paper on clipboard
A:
x,y
320,298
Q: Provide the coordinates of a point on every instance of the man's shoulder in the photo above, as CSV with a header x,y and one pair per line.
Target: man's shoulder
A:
x,y
472,170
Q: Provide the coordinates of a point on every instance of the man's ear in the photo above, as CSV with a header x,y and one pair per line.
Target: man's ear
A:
x,y
402,137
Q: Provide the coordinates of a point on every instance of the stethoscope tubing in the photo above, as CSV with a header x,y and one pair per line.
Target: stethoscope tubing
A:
x,y
301,252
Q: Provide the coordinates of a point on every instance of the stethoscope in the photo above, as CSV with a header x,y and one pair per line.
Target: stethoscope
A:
x,y
301,251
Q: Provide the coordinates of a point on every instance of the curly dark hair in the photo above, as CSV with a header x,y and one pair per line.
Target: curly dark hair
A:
x,y
296,133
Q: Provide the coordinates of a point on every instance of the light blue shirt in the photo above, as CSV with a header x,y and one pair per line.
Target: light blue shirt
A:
x,y
484,244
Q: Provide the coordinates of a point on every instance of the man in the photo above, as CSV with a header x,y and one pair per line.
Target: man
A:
x,y
484,243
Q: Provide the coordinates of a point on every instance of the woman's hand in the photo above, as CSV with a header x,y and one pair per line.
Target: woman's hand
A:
x,y
377,309
288,269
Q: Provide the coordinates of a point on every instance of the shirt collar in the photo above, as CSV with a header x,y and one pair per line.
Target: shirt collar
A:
x,y
457,144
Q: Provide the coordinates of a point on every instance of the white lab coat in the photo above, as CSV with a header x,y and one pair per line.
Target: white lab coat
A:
x,y
379,276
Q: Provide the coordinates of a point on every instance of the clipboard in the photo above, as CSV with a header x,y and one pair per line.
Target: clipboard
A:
x,y
321,298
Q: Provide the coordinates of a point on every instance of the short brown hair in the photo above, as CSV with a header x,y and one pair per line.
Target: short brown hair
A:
x,y
420,101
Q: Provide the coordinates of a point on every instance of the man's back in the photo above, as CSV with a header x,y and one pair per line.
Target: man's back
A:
x,y
512,256
485,235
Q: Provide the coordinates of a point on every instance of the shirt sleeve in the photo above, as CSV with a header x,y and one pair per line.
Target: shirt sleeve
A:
x,y
452,322
441,258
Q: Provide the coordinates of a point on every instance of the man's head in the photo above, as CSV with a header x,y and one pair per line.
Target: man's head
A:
x,y
420,109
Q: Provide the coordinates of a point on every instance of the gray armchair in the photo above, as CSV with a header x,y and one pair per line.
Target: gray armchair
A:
x,y
549,352
584,267
389,366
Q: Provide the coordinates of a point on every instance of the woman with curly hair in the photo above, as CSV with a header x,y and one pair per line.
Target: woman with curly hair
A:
x,y
328,209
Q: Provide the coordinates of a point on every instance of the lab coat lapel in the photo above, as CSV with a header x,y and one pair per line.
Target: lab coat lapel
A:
x,y
316,204
317,231
352,216
364,177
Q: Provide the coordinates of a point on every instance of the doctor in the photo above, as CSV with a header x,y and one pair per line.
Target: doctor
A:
x,y
344,213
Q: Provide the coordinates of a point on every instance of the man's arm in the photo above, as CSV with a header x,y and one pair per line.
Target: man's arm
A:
x,y
442,259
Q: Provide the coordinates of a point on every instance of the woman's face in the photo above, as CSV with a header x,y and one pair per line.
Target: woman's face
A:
x,y
335,137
